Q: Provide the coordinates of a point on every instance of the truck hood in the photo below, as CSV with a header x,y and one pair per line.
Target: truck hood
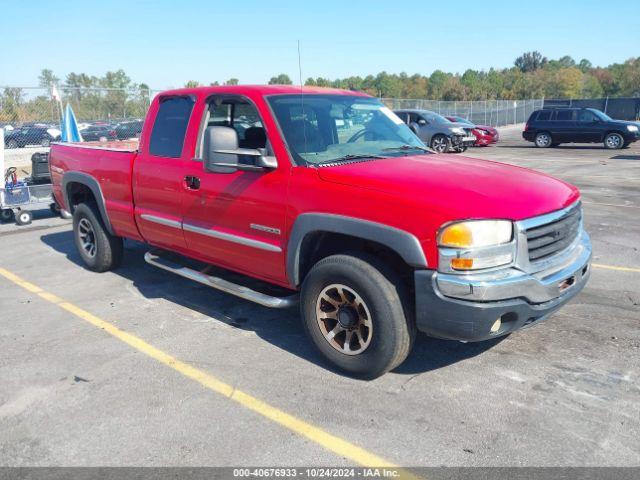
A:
x,y
458,187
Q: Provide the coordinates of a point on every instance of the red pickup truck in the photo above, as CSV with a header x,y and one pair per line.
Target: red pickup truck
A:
x,y
325,198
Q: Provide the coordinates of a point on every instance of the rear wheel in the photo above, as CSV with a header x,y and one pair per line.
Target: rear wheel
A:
x,y
543,140
24,217
352,309
6,215
100,251
613,141
45,142
12,144
440,143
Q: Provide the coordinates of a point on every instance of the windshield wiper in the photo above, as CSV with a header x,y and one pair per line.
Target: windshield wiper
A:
x,y
406,147
350,157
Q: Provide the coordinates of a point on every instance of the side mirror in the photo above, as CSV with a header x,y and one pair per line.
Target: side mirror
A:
x,y
422,121
221,154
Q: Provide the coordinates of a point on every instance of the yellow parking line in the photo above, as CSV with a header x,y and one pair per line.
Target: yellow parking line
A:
x,y
613,267
334,444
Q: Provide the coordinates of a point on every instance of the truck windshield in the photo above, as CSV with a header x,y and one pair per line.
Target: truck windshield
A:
x,y
327,128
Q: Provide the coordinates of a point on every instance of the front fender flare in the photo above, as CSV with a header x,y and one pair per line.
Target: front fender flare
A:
x,y
400,241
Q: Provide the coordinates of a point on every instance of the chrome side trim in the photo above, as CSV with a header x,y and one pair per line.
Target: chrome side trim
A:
x,y
249,242
220,284
161,220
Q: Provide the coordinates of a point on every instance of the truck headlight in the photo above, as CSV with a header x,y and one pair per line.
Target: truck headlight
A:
x,y
475,245
632,128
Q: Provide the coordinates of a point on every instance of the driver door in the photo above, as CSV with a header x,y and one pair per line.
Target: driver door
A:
x,y
237,219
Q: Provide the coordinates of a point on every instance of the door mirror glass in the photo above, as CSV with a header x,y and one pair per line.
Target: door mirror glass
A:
x,y
221,153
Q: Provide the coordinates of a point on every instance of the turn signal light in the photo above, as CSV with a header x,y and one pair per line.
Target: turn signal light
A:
x,y
462,263
457,235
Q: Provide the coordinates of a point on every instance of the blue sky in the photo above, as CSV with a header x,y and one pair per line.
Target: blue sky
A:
x,y
166,43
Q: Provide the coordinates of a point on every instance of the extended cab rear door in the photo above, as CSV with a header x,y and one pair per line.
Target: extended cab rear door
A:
x,y
159,171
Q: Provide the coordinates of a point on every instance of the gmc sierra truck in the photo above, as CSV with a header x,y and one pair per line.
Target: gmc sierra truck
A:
x,y
281,195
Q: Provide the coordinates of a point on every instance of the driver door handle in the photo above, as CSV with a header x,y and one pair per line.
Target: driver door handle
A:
x,y
191,182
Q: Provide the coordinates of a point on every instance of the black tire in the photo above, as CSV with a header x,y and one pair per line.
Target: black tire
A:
x,y
440,143
613,141
45,142
543,140
12,144
24,217
6,215
392,331
99,250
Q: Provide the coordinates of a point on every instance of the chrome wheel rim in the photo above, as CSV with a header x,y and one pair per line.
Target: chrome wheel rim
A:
x,y
543,140
614,141
87,237
439,144
344,319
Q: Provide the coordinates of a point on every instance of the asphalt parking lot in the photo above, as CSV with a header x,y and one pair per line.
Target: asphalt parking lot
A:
x,y
140,367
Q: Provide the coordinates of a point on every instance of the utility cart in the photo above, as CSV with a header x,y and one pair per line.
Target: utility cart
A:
x,y
18,198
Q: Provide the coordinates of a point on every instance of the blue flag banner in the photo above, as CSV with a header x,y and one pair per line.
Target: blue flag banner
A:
x,y
69,126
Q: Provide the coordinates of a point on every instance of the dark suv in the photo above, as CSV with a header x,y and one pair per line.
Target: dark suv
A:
x,y
551,127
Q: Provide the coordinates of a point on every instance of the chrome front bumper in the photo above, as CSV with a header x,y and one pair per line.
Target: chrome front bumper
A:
x,y
569,271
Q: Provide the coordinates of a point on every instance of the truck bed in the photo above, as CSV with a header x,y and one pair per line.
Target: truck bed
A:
x,y
110,164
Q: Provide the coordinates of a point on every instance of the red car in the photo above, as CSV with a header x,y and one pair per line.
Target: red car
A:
x,y
484,134
329,201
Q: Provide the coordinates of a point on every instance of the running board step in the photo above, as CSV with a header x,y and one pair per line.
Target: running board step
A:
x,y
241,291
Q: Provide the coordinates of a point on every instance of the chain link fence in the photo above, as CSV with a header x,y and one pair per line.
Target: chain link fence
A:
x,y
30,117
495,113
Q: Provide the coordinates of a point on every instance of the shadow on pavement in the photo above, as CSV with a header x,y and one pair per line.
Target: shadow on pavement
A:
x,y
281,328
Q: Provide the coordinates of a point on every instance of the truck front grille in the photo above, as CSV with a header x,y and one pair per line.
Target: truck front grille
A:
x,y
550,238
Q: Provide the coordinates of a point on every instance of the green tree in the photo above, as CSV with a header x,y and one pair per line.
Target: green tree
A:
x,y
192,84
282,79
232,81
530,61
47,79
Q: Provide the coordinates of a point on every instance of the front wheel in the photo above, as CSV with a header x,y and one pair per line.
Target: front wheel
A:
x,y
440,143
613,141
352,310
24,217
45,142
99,250
12,144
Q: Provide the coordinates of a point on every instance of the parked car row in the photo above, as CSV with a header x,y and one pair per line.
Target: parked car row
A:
x,y
32,134
447,133
552,127
43,134
105,131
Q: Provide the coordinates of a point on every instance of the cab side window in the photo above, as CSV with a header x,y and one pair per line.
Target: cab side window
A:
x,y
585,116
564,115
543,115
243,117
170,127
